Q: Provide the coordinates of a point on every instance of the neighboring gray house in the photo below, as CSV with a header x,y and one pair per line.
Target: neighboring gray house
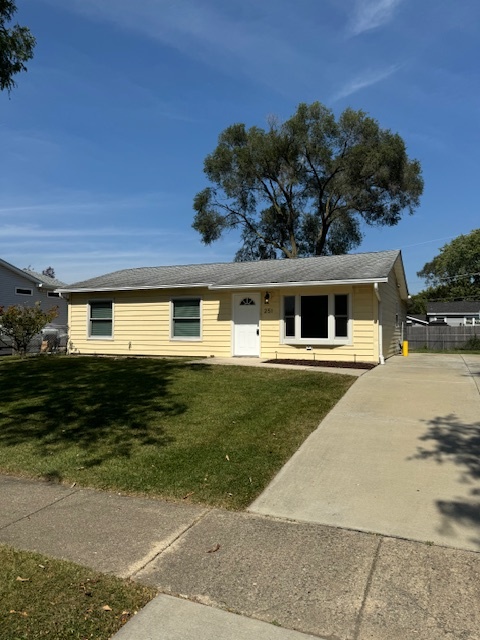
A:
x,y
455,314
23,286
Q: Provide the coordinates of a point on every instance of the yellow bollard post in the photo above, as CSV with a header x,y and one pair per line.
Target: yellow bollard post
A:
x,y
405,348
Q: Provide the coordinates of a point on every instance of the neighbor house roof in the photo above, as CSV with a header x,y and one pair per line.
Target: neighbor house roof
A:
x,y
352,268
458,307
53,283
38,278
419,318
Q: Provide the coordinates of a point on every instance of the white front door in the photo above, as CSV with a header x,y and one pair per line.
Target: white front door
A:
x,y
246,324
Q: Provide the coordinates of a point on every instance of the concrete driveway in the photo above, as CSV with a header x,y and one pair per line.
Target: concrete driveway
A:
x,y
399,455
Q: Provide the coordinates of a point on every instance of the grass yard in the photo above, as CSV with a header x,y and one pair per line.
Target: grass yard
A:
x,y
52,599
167,428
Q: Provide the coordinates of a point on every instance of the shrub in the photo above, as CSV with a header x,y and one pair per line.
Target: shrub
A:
x,y
21,323
473,344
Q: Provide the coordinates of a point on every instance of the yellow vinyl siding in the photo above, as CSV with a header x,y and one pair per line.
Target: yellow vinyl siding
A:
x,y
391,304
142,324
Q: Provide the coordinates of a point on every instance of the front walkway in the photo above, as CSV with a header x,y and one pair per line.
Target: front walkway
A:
x,y
398,455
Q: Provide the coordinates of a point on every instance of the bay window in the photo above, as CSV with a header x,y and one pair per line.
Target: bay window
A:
x,y
317,319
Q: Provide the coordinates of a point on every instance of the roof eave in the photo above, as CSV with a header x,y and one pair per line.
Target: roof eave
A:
x,y
452,313
213,287
301,283
145,288
413,319
19,272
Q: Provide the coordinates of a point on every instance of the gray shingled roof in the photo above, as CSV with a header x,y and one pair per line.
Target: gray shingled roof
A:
x,y
352,267
51,282
458,306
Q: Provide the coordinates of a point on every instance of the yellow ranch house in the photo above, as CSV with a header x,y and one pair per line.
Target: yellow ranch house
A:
x,y
348,308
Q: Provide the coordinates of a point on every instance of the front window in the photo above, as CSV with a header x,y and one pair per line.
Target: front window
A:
x,y
341,316
101,319
314,317
318,319
186,318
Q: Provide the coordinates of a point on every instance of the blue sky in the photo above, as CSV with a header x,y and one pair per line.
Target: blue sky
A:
x,y
103,140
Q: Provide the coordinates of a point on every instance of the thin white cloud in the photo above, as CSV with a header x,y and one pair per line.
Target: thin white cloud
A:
x,y
81,263
23,232
371,14
224,36
72,202
364,80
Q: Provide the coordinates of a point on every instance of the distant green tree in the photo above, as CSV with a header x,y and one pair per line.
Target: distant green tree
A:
x,y
455,272
417,304
21,324
305,187
49,271
16,46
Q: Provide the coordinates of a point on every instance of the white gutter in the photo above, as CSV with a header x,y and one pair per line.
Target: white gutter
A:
x,y
413,319
381,358
146,288
238,286
310,283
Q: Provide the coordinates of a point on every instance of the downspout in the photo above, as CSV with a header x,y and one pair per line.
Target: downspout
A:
x,y
381,359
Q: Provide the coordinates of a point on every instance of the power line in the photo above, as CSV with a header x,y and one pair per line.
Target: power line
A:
x,y
464,275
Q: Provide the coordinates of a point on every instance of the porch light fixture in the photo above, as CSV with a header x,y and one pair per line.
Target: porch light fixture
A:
x,y
266,299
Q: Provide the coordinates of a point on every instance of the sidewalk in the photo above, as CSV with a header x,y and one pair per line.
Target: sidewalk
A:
x,y
235,572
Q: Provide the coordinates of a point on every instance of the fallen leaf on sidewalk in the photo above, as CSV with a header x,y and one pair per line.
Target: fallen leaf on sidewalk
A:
x,y
213,549
19,579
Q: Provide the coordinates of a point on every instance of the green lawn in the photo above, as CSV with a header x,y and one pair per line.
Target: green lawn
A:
x,y
203,433
52,599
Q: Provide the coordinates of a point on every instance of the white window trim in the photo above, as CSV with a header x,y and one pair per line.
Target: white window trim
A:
x,y
175,338
89,320
22,293
331,340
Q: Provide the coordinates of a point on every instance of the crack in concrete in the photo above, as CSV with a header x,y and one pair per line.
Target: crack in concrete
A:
x,y
358,623
32,513
474,378
135,569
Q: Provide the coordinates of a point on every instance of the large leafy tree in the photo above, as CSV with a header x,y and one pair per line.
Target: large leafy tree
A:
x,y
16,46
306,186
455,272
